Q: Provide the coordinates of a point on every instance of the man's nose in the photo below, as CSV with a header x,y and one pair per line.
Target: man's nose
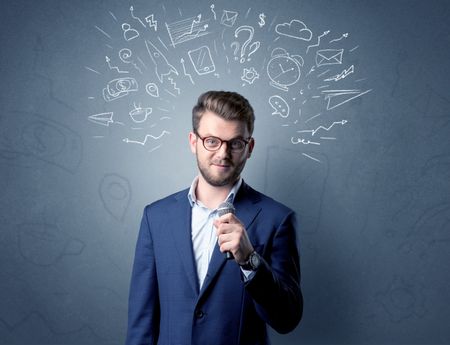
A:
x,y
224,150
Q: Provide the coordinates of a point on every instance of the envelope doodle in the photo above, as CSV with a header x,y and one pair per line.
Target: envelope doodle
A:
x,y
329,57
228,18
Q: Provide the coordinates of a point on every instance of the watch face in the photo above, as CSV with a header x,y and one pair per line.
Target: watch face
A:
x,y
254,260
283,71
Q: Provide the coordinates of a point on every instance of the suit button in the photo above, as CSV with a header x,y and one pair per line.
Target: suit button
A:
x,y
199,314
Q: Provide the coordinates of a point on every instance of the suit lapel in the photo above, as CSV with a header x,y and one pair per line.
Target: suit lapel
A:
x,y
247,209
181,230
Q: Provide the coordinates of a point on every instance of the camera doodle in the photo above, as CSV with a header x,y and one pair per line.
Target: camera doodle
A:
x,y
309,71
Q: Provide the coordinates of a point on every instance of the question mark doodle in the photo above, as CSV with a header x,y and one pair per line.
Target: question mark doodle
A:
x,y
236,48
253,47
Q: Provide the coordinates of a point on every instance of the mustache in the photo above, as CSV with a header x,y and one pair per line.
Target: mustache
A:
x,y
222,162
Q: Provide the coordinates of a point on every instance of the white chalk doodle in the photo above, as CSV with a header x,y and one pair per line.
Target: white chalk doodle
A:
x,y
128,32
314,131
139,114
102,31
336,98
228,18
344,74
294,29
118,88
279,105
108,62
253,47
311,157
104,119
296,141
129,141
187,29
327,57
340,38
152,23
318,41
152,89
162,66
185,73
201,60
213,12
125,55
135,17
284,70
249,75
262,20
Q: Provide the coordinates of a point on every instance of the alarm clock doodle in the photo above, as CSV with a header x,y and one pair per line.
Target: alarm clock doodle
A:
x,y
305,73
284,70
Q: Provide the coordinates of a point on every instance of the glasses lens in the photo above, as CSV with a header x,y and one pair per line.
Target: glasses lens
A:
x,y
237,145
212,143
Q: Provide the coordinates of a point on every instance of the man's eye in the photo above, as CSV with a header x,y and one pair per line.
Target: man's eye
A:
x,y
212,141
236,144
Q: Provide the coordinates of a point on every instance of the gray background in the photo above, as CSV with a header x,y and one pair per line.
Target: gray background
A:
x,y
373,203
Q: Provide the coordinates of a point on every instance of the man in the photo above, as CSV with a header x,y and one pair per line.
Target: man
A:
x,y
183,289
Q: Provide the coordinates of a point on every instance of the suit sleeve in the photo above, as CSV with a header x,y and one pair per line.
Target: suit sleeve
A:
x,y
275,286
143,304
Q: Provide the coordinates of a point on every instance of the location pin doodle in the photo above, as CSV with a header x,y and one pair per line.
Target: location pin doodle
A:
x,y
115,193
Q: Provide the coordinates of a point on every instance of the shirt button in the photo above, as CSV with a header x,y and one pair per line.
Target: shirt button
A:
x,y
199,314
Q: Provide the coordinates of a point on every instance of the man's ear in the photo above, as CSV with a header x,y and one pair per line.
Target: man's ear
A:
x,y
251,145
193,142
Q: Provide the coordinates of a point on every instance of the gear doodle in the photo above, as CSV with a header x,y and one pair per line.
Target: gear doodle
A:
x,y
249,75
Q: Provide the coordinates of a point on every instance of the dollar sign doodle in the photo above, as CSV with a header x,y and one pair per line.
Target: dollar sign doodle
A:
x,y
262,22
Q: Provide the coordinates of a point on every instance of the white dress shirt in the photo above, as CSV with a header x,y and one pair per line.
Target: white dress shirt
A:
x,y
203,233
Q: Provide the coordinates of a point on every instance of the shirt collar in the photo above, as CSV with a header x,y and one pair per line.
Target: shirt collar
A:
x,y
230,198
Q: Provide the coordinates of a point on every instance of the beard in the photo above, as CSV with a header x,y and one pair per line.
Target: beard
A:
x,y
226,179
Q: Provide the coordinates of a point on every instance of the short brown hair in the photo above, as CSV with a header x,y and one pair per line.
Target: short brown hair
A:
x,y
227,105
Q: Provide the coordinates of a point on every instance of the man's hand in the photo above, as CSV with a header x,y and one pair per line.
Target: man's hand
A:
x,y
232,237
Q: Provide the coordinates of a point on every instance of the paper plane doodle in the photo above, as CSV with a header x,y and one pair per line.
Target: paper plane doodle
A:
x,y
336,98
329,57
103,119
294,29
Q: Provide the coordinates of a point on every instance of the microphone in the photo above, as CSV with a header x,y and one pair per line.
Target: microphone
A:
x,y
225,208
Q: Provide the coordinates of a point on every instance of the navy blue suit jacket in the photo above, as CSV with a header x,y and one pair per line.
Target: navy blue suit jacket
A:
x,y
166,306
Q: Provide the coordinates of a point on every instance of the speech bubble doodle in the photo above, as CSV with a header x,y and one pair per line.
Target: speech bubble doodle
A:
x,y
279,105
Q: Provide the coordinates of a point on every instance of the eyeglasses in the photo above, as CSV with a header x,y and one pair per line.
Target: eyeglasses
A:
x,y
214,143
